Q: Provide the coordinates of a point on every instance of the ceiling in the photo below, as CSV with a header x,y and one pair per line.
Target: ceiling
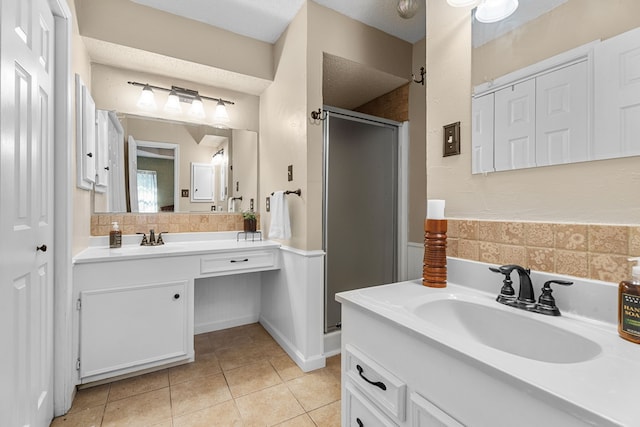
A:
x,y
346,84
266,20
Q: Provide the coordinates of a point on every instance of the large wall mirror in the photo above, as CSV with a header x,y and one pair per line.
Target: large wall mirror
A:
x,y
514,84
162,155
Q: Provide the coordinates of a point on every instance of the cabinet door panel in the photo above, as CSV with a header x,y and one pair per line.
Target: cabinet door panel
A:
x,y
562,116
482,134
126,327
515,126
426,414
617,96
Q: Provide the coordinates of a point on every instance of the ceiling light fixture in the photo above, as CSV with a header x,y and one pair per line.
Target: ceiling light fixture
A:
x,y
407,8
179,94
490,11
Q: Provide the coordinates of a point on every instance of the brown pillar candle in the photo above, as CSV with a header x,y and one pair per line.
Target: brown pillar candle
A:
x,y
434,267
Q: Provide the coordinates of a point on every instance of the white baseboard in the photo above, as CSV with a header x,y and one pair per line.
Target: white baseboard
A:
x,y
332,343
306,364
224,324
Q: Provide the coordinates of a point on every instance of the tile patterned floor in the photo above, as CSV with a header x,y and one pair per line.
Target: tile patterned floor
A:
x,y
240,378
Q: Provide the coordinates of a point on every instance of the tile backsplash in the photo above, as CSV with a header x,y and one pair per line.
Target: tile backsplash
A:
x,y
594,251
132,223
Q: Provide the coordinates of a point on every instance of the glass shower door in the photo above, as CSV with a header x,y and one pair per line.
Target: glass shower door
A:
x,y
360,212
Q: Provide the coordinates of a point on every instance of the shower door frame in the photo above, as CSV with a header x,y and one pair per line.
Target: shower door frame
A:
x,y
402,177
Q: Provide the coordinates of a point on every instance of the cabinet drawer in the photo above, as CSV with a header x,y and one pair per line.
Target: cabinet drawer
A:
x,y
359,412
381,386
238,262
426,414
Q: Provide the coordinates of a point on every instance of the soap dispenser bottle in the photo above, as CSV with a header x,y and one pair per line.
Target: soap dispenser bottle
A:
x,y
629,305
115,236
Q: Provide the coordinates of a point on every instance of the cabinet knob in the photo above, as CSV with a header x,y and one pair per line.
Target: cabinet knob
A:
x,y
106,168
42,248
176,296
89,154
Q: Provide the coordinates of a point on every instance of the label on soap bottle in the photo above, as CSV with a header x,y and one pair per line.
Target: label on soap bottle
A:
x,y
631,314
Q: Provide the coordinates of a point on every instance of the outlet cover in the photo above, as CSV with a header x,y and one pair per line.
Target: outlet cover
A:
x,y
268,204
451,139
185,192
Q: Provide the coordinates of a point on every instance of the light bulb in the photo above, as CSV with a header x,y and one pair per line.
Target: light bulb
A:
x,y
147,100
495,10
407,8
173,103
197,108
221,115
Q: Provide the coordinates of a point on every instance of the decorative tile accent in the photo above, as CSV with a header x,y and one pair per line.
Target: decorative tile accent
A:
x,y
634,241
541,259
468,229
453,229
538,234
593,251
610,268
170,222
608,239
571,237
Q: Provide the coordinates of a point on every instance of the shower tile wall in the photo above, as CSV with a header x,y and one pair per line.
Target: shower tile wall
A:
x,y
593,251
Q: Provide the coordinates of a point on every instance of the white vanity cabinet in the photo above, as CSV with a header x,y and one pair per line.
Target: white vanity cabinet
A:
x,y
136,305
428,384
133,326
133,315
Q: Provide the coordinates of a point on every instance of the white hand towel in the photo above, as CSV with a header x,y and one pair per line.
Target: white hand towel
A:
x,y
280,227
231,205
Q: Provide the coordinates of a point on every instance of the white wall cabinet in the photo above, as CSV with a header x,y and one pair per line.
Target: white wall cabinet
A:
x,y
617,96
86,136
133,326
202,185
540,121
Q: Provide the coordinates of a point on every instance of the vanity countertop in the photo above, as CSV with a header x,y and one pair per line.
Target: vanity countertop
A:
x,y
178,244
604,385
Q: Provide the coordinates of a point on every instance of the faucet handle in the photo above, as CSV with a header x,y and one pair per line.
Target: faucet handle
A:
x,y
507,293
546,302
144,241
159,240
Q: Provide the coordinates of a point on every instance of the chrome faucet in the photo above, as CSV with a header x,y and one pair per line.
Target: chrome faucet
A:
x,y
526,299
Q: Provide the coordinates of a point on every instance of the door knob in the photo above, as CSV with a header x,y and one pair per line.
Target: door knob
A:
x,y
42,248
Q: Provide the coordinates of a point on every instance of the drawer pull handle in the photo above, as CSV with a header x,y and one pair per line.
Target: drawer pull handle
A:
x,y
360,424
240,260
377,383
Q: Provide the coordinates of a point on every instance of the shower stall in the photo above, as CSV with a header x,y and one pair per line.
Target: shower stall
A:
x,y
361,205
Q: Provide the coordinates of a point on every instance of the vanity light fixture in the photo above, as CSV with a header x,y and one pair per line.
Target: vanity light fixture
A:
x,y
488,11
179,94
215,159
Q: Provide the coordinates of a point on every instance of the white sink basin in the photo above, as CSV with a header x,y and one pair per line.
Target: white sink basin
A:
x,y
507,330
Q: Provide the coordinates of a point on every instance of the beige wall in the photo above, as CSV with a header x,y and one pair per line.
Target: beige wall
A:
x,y
283,128
417,148
126,23
592,192
81,198
570,25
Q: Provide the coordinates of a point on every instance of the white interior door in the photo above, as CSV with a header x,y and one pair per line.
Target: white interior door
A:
x,y
26,212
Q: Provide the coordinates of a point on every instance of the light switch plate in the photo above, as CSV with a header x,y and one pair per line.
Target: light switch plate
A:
x,y
451,139
290,173
185,192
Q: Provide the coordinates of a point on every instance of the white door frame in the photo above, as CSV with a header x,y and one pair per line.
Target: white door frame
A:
x,y
64,368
